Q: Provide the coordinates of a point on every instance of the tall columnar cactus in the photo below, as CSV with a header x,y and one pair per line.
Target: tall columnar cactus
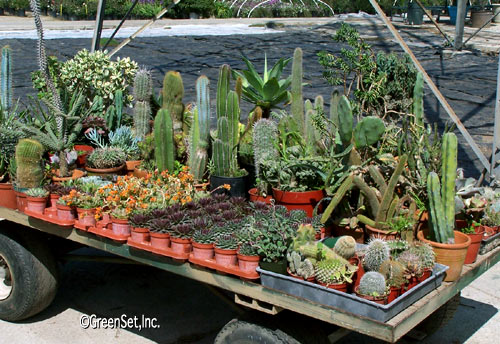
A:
x,y
200,130
334,103
114,112
377,252
345,246
143,88
372,283
164,141
6,79
265,134
172,93
442,197
297,106
29,163
418,101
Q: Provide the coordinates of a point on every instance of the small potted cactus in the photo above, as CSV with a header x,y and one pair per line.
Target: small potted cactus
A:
x,y
334,273
107,160
345,246
37,199
376,253
248,258
159,234
393,272
413,268
300,268
65,209
180,238
226,247
427,258
372,287
140,227
203,243
86,209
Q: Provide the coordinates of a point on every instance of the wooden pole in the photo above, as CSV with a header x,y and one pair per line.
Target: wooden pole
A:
x,y
460,23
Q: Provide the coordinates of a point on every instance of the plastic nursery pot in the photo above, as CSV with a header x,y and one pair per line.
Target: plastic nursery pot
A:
x,y
65,213
81,160
159,240
254,196
475,245
75,175
225,257
203,251
452,255
425,275
139,234
356,277
36,204
340,287
105,171
377,299
278,267
7,196
180,246
412,283
305,200
53,200
131,165
394,292
21,201
120,227
86,217
375,233
238,185
248,264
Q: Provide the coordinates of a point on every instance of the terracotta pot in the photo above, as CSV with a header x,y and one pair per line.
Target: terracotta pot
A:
x,y
53,200
475,245
225,257
159,240
139,234
374,233
105,171
180,246
120,227
393,294
7,196
138,173
203,251
131,165
306,200
340,287
489,231
36,204
452,255
256,197
202,186
357,233
75,175
81,160
21,201
65,213
377,299
86,217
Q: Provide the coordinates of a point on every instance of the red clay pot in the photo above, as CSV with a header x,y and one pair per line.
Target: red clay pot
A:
x,y
131,165
86,217
65,213
180,246
306,200
36,204
393,294
81,160
225,257
340,287
159,240
7,196
254,196
21,201
138,173
475,245
139,234
105,171
203,251
356,278
375,233
357,233
75,175
377,299
53,200
120,227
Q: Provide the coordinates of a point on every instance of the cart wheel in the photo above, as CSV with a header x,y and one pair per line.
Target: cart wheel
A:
x,y
440,317
242,332
28,274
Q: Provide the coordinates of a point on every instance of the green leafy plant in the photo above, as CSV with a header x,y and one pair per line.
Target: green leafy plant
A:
x,y
226,242
204,236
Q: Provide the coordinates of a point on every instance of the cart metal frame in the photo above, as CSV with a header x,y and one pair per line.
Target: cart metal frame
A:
x,y
267,300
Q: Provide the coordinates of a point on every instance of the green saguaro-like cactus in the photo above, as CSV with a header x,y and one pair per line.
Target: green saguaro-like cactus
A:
x,y
164,141
6,79
143,87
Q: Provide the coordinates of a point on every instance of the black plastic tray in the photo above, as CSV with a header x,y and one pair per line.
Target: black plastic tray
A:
x,y
350,302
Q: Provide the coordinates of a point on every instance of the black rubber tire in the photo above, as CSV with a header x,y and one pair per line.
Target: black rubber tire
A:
x,y
33,271
242,332
440,317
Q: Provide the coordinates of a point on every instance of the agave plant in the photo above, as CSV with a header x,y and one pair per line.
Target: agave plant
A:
x,y
267,91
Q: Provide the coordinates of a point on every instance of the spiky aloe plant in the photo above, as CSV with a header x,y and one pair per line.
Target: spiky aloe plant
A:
x,y
200,130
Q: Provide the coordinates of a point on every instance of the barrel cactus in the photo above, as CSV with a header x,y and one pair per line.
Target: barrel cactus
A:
x,y
393,272
345,246
372,284
377,252
29,172
426,254
412,264
333,271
